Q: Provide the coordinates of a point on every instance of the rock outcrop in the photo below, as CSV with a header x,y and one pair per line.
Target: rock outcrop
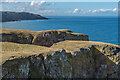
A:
x,y
57,54
42,38
83,59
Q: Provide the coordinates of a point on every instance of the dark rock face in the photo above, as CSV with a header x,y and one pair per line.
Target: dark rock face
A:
x,y
18,68
86,63
43,38
17,38
37,68
51,37
17,16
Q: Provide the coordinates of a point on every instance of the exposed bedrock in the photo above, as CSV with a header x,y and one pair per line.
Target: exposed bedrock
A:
x,y
42,38
91,62
72,55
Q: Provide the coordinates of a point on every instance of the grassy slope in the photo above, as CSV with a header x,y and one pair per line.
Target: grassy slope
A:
x,y
15,50
34,33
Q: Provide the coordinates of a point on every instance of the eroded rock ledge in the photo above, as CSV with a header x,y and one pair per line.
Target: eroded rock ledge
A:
x,y
42,38
72,55
87,60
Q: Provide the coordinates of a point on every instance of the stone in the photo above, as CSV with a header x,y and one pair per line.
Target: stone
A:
x,y
90,63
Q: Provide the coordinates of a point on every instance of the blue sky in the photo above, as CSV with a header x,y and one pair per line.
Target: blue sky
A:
x,y
45,8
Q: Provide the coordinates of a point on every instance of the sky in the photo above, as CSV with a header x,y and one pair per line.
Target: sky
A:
x,y
61,0
57,8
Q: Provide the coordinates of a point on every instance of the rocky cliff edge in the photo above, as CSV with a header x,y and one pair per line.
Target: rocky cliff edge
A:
x,y
42,38
64,59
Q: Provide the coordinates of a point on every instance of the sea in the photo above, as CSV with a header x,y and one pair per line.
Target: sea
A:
x,y
98,28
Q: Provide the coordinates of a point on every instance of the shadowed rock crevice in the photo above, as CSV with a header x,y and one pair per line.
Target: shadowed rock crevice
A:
x,y
85,63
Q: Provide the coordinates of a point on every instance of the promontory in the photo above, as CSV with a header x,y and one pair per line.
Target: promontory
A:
x,y
18,16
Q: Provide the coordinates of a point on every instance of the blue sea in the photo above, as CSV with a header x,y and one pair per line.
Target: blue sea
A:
x,y
103,29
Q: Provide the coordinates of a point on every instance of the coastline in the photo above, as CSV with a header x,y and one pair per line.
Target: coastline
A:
x,y
66,56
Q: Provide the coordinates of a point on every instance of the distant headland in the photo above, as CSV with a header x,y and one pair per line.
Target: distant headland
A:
x,y
18,16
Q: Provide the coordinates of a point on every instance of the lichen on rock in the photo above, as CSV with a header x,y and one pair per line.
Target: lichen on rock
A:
x,y
71,56
87,63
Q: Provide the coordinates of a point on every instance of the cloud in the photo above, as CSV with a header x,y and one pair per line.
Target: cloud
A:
x,y
94,11
9,1
32,3
37,3
46,11
76,10
103,10
115,9
42,2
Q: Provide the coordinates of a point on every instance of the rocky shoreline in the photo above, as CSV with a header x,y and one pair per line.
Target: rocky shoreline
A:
x,y
57,54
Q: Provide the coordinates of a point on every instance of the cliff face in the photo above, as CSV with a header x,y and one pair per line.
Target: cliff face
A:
x,y
17,16
43,38
87,60
57,54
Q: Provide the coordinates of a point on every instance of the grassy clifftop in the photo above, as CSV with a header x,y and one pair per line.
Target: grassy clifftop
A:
x,y
42,38
15,50
57,54
67,59
36,42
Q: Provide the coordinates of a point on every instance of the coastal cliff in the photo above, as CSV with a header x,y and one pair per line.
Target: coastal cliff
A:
x,y
17,16
42,38
71,57
67,59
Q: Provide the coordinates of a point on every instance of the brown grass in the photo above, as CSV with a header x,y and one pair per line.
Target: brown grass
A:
x,y
14,50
